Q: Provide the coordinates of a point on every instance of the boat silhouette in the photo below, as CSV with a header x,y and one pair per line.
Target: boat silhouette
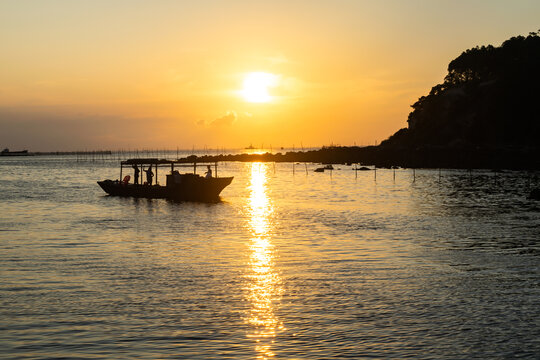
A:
x,y
6,152
179,187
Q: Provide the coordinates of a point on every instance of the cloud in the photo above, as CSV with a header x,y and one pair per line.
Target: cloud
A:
x,y
277,59
226,120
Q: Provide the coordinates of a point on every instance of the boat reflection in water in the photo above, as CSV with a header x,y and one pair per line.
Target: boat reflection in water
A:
x,y
264,283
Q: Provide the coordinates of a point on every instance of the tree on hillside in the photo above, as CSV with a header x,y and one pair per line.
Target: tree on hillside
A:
x,y
488,98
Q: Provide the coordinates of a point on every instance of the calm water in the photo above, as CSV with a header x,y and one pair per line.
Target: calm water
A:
x,y
303,266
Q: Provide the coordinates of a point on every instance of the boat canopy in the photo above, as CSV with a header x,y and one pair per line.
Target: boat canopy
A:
x,y
152,161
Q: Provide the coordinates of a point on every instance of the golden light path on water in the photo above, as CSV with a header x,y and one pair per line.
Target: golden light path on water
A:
x,y
265,285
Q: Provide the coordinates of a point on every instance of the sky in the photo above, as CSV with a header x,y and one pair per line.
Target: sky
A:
x,y
88,75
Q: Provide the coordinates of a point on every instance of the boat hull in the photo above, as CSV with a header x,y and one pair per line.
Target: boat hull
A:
x,y
14,153
192,188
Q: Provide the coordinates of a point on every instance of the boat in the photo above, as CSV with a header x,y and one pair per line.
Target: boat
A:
x,y
178,187
326,167
6,152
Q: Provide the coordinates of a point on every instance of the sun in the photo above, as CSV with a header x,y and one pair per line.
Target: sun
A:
x,y
256,86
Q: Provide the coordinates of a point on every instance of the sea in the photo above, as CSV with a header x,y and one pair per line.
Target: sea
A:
x,y
290,264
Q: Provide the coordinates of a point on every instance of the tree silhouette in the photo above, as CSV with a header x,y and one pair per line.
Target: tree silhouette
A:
x,y
488,98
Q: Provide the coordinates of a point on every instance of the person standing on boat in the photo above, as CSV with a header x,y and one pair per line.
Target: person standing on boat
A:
x,y
149,175
136,175
208,173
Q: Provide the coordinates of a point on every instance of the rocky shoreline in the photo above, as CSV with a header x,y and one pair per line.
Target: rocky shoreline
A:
x,y
384,156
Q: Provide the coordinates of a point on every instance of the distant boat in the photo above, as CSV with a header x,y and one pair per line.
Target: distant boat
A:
x,y
6,152
326,167
250,147
179,187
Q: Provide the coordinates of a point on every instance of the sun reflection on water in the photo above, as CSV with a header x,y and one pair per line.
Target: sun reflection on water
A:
x,y
264,289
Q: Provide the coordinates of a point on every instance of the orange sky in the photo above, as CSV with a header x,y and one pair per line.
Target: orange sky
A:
x,y
166,74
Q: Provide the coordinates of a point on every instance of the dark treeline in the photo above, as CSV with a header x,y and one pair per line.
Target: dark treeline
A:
x,y
327,155
382,156
484,115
